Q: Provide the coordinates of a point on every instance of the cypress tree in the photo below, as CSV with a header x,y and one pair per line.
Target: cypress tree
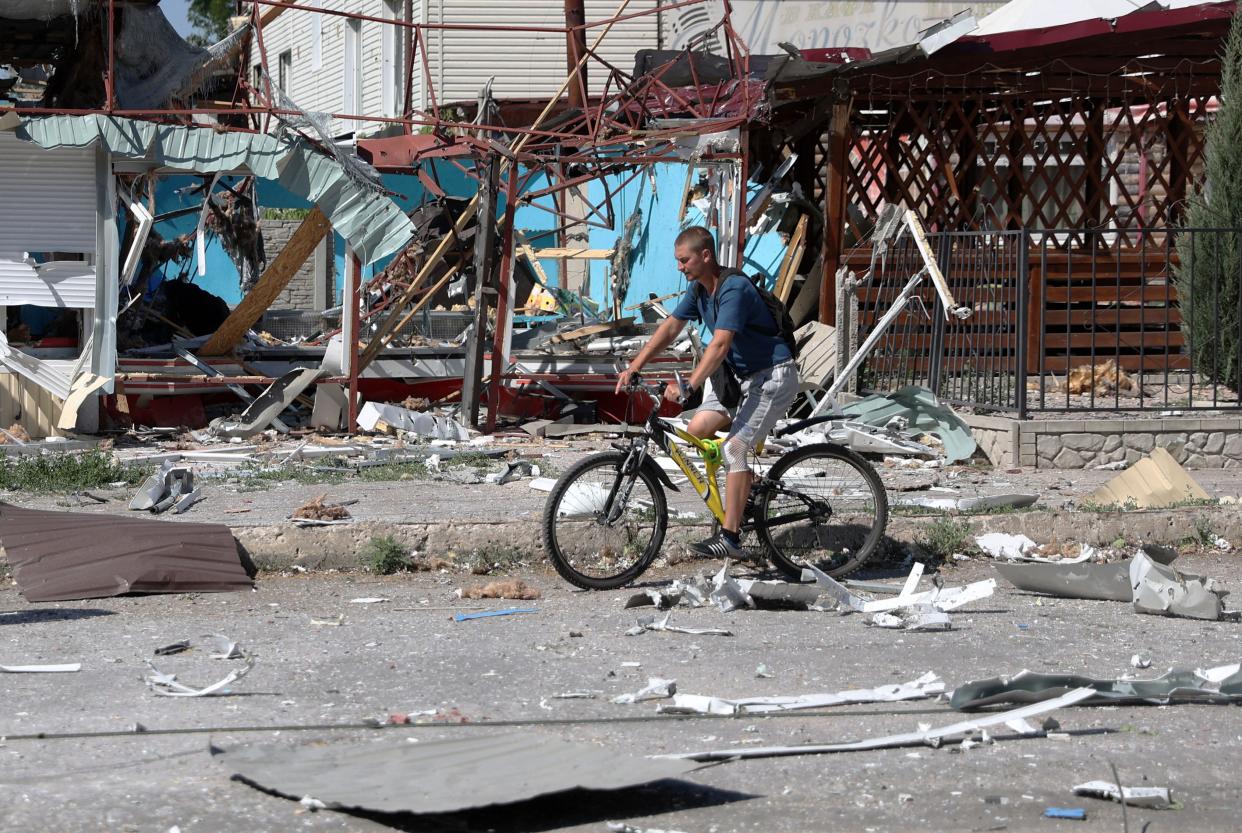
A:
x,y
1208,278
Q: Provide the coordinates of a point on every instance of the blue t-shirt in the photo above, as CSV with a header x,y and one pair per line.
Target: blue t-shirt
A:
x,y
737,306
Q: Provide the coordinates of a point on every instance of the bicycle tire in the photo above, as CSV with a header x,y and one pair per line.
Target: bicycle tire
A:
x,y
557,523
847,544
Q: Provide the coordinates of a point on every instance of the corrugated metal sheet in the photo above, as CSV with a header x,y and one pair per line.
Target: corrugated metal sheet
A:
x,y
48,205
373,224
57,556
527,64
442,776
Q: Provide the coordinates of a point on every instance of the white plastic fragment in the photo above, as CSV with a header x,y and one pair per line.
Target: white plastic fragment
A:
x,y
928,685
66,668
841,594
727,594
221,647
922,737
368,600
1003,545
656,689
651,623
1155,798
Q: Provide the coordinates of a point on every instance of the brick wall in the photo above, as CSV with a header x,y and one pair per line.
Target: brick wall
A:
x,y
317,273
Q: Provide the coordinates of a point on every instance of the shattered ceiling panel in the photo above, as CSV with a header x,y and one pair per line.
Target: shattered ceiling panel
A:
x,y
372,223
442,776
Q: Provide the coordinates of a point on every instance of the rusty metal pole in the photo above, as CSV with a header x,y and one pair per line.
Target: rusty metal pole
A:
x,y
353,291
575,49
484,290
110,78
500,339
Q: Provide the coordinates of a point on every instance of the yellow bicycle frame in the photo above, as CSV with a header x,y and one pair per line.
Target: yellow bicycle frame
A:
x,y
706,486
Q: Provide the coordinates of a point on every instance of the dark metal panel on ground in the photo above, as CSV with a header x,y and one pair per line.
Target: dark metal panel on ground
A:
x,y
57,556
441,776
1213,685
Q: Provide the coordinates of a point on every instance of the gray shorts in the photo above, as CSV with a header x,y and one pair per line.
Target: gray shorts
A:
x,y
766,396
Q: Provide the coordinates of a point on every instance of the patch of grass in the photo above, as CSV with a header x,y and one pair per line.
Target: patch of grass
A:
x,y
384,556
945,536
492,558
1204,534
1131,506
67,472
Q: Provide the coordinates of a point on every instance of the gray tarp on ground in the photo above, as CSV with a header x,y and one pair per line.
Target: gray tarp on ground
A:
x,y
372,223
924,415
441,776
1222,684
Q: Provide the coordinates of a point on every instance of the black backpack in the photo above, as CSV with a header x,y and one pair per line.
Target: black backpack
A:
x,y
784,322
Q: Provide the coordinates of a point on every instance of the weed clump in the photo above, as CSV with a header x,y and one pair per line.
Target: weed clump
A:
x,y
66,472
945,536
384,556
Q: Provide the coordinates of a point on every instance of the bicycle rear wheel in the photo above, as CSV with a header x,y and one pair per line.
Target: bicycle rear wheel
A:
x,y
824,506
586,548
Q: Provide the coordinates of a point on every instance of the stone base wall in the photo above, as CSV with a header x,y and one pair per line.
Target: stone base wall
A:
x,y
1203,443
313,287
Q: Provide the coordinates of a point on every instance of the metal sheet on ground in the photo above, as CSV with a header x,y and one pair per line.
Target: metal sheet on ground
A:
x,y
441,776
58,556
1104,582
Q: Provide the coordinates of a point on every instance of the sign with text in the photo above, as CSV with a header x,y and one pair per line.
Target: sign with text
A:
x,y
816,24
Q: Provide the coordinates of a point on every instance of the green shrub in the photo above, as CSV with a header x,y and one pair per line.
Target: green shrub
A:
x,y
383,555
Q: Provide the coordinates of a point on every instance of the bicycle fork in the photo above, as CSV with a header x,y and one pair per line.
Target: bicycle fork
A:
x,y
623,484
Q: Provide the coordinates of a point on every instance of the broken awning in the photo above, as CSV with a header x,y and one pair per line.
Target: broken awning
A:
x,y
372,223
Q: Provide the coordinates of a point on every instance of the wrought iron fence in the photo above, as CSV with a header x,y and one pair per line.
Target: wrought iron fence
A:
x,y
1065,320
976,362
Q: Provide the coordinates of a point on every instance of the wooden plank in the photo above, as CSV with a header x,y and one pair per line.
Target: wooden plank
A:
x,y
1158,317
1107,342
793,258
1105,294
570,253
272,282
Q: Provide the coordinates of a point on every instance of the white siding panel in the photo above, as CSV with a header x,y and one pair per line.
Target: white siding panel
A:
x,y
528,64
47,204
47,198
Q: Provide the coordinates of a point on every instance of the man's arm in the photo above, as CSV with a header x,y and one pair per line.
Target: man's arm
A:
x,y
664,335
715,353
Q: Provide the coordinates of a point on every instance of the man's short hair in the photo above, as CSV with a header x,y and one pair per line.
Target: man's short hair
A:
x,y
697,238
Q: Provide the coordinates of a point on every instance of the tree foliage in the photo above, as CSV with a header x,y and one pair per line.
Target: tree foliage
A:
x,y
1208,278
210,18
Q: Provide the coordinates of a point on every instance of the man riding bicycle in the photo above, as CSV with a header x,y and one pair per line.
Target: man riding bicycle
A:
x,y
746,339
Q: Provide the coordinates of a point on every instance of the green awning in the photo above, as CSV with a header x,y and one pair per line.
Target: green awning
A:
x,y
372,223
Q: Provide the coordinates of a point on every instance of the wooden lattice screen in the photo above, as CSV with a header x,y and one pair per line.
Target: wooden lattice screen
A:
x,y
1014,162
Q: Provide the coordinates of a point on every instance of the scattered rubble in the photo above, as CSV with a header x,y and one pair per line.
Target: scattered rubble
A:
x,y
1222,684
1154,798
508,589
221,648
926,736
928,685
316,510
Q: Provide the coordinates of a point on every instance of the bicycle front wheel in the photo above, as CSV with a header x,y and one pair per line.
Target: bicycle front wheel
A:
x,y
824,506
593,539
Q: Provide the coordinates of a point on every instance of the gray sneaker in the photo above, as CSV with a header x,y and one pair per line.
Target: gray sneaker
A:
x,y
718,546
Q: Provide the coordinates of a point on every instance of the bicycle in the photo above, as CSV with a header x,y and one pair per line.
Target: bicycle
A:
x,y
605,519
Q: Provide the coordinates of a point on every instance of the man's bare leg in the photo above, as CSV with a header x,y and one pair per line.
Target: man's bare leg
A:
x,y
707,423
737,489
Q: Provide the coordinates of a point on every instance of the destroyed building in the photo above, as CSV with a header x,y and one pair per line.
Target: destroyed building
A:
x,y
363,225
